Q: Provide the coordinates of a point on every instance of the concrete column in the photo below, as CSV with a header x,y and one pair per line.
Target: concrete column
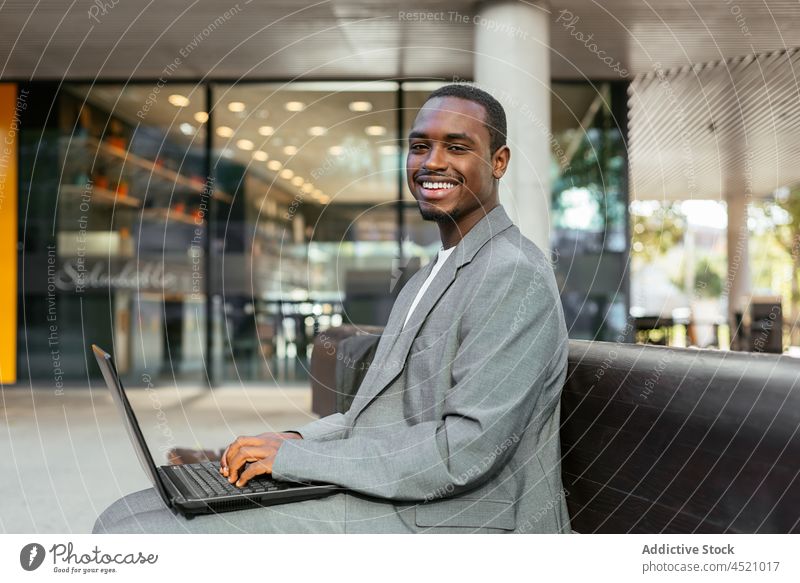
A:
x,y
738,281
512,62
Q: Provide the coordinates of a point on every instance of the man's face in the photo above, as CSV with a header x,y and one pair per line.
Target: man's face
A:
x,y
450,168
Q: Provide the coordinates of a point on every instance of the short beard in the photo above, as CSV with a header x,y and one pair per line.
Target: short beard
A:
x,y
432,213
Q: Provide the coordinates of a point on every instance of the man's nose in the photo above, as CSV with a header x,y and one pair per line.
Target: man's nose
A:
x,y
436,159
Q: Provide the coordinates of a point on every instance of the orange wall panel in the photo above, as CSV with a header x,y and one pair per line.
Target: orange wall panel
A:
x,y
10,109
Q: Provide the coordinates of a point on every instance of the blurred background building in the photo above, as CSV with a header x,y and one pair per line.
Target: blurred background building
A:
x,y
207,186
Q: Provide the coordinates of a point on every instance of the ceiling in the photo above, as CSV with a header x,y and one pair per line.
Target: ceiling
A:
x,y
716,130
270,39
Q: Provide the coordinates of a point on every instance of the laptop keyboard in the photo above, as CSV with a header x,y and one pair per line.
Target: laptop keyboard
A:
x,y
205,481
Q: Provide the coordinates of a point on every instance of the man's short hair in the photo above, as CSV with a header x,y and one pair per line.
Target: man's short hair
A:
x,y
495,114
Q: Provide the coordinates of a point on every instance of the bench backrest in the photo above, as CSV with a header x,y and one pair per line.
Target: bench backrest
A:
x,y
658,439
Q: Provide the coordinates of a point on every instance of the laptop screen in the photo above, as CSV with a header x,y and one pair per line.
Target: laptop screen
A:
x,y
129,419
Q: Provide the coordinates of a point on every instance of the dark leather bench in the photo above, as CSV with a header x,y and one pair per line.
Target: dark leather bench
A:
x,y
653,439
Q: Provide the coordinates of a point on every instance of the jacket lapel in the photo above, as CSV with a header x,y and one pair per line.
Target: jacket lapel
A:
x,y
394,326
391,355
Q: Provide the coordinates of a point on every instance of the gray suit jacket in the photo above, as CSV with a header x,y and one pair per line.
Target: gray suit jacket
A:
x,y
455,426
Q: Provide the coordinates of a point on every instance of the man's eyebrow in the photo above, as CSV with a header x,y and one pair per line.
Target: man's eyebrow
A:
x,y
462,137
448,137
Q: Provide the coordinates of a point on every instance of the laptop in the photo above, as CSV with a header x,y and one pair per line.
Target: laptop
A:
x,y
199,488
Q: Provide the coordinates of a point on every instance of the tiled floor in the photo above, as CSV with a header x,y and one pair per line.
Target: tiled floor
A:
x,y
64,458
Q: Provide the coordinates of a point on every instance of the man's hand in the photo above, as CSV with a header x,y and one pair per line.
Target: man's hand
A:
x,y
260,451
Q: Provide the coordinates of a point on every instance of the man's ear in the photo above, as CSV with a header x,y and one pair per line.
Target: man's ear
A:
x,y
500,161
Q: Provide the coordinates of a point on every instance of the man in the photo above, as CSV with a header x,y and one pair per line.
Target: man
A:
x,y
455,427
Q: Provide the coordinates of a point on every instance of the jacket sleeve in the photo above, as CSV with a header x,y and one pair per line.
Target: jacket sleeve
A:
x,y
331,427
510,341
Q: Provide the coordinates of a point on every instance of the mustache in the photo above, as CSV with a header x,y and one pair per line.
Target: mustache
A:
x,y
427,174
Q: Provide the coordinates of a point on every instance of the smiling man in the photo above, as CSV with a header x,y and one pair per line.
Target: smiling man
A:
x,y
457,155
455,427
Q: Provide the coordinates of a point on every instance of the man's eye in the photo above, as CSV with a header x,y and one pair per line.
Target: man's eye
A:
x,y
458,148
417,147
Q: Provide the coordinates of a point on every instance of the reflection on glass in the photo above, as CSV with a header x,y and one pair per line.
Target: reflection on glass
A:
x,y
589,209
128,229
311,236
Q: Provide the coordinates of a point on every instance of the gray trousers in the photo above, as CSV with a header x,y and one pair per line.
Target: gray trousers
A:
x,y
145,512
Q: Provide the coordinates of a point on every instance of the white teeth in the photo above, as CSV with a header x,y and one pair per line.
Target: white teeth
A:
x,y
437,185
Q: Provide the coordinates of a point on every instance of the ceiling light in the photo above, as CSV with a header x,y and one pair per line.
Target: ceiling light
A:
x,y
388,149
375,130
260,155
187,129
317,192
336,150
360,106
225,132
244,145
298,181
201,117
290,150
294,106
286,173
324,199
307,187
178,100
317,131
236,106
274,165
266,130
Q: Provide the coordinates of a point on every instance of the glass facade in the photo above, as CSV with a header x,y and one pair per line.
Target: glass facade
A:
x,y
113,232
312,233
209,232
589,235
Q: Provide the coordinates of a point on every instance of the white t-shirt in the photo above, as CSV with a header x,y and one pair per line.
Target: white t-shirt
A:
x,y
440,259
